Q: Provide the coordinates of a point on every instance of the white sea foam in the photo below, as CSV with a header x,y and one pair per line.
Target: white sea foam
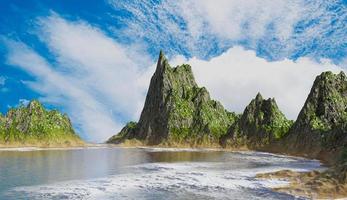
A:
x,y
184,180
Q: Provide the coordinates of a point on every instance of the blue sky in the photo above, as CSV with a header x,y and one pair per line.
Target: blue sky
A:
x,y
93,59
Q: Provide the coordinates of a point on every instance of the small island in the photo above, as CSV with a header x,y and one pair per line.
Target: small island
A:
x,y
34,126
177,112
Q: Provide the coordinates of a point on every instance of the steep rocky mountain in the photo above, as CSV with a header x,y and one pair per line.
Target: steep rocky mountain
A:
x,y
177,111
320,130
34,125
260,124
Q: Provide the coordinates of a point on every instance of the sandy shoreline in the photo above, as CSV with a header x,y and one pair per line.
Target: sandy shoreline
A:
x,y
40,148
313,184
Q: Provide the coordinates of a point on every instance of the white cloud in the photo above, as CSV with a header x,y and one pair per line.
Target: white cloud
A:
x,y
203,28
97,62
95,79
237,20
3,89
206,20
237,75
2,80
57,88
24,102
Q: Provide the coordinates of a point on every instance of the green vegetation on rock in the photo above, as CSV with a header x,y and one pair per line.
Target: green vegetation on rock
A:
x,y
260,124
178,111
128,129
326,105
321,127
33,125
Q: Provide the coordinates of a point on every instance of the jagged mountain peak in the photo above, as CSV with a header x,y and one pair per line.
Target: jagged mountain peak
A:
x,y
321,125
326,105
262,104
161,63
177,109
258,97
260,124
35,105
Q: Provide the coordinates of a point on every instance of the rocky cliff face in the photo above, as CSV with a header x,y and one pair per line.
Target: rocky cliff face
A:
x,y
321,127
35,125
176,110
260,124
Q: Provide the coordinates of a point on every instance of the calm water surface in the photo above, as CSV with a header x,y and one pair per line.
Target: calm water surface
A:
x,y
141,173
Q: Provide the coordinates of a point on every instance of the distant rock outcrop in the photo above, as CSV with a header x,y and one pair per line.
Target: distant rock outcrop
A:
x,y
34,125
260,124
177,111
127,132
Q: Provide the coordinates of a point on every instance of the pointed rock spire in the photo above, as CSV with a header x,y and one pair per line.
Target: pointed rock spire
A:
x,y
162,61
35,106
342,75
161,54
177,110
259,97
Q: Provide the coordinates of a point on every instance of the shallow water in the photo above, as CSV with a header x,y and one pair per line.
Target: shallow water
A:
x,y
142,173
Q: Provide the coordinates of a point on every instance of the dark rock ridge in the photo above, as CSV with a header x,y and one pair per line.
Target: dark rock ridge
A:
x,y
320,130
260,124
34,125
177,111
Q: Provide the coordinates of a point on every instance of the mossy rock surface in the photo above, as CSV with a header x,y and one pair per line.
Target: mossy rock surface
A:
x,y
177,110
125,133
34,125
321,127
326,105
260,124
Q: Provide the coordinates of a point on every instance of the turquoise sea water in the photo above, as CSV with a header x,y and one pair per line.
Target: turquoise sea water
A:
x,y
142,173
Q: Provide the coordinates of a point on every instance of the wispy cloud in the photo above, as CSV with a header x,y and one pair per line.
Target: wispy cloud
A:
x,y
106,69
24,102
93,78
3,88
275,29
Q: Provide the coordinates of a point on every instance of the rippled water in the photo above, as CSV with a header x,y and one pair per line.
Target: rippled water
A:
x,y
142,173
